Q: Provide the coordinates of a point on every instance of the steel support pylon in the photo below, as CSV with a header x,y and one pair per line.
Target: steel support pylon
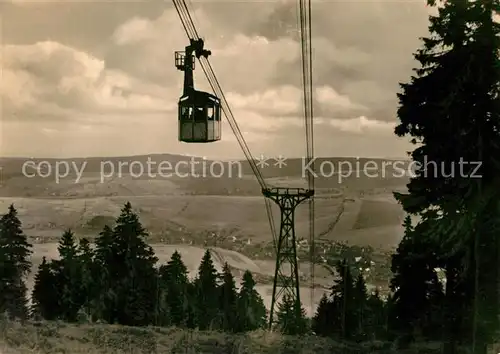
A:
x,y
286,274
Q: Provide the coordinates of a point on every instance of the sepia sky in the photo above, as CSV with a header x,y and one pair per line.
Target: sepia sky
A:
x,y
98,78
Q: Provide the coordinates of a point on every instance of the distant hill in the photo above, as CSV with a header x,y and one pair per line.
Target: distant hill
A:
x,y
183,201
179,199
26,177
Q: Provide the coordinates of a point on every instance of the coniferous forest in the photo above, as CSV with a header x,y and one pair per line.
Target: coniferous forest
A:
x,y
119,281
449,110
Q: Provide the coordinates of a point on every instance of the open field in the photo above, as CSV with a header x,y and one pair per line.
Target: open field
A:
x,y
235,222
49,338
165,215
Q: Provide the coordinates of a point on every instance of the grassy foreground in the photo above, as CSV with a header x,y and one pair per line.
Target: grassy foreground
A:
x,y
52,337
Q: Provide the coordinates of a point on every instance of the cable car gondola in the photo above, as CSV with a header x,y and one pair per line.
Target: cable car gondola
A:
x,y
199,112
287,198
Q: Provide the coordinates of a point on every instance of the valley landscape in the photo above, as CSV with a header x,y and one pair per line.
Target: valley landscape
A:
x,y
191,210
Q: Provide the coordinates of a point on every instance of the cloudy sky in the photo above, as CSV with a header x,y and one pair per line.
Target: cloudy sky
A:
x,y
98,78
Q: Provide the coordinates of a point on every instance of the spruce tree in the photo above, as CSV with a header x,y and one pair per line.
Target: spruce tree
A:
x,y
192,305
105,297
69,277
15,265
360,306
343,298
46,293
88,285
486,116
163,316
228,301
291,321
413,267
322,322
207,297
455,94
67,248
434,317
251,309
103,250
457,307
134,275
376,319
174,309
424,113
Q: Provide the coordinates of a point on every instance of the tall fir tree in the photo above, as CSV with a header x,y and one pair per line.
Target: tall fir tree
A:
x,y
228,301
163,316
322,322
68,274
105,297
360,297
174,282
486,113
46,293
376,320
343,301
133,275
291,321
88,285
414,279
251,310
192,305
207,297
455,94
15,265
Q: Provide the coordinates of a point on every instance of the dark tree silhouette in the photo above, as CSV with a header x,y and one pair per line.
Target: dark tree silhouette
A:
x,y
174,285
322,322
414,281
105,298
133,272
343,301
251,310
45,295
88,287
14,266
68,273
290,321
454,94
360,297
207,297
228,301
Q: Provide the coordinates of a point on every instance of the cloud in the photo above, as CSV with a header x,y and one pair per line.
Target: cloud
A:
x,y
360,49
362,125
92,87
335,104
287,100
246,66
280,101
50,77
242,63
